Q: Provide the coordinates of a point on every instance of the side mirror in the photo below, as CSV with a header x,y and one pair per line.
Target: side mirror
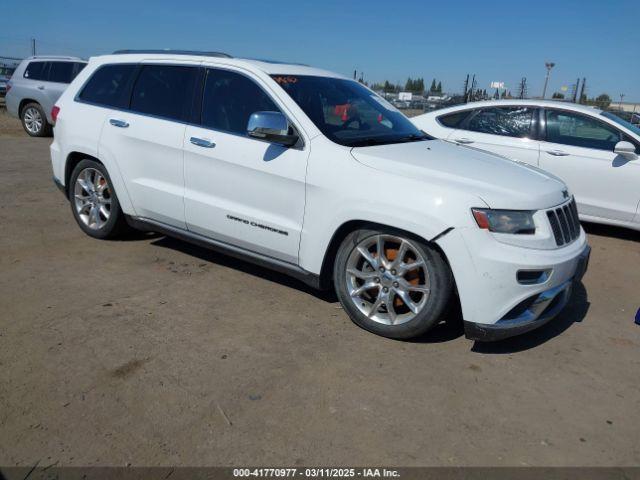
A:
x,y
272,127
626,149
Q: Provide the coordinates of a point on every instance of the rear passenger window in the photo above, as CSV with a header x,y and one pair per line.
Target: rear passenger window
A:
x,y
453,120
61,72
36,71
506,121
164,91
230,99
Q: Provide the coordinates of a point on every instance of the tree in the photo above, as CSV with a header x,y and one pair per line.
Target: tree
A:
x,y
439,87
558,95
603,100
433,86
409,86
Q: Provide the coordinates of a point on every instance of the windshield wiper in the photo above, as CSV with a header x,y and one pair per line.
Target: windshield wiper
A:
x,y
414,137
370,141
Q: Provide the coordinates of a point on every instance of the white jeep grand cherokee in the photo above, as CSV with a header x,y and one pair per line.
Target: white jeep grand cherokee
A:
x,y
313,174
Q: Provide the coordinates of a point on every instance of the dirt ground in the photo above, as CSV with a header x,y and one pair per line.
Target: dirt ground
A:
x,y
149,351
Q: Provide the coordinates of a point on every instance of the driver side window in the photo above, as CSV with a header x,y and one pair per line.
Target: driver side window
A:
x,y
569,128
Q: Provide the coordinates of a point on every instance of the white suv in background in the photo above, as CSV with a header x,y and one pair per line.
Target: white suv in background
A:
x,y
313,174
596,153
34,88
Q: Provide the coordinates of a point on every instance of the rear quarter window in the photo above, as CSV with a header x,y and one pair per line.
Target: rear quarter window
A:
x,y
109,86
36,71
453,120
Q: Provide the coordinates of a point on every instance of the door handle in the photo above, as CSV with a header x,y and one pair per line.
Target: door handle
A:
x,y
118,123
201,142
40,87
557,153
463,141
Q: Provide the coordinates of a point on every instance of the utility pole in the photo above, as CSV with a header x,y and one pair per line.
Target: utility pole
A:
x,y
522,88
549,66
473,86
33,47
355,74
584,83
622,95
575,89
466,85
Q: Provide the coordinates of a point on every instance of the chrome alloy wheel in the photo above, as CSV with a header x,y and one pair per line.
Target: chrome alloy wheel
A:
x,y
387,279
33,120
92,198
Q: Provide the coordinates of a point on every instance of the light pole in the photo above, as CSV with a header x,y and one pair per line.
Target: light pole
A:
x,y
549,66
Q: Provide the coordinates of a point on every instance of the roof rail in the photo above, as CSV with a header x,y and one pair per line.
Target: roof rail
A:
x,y
176,52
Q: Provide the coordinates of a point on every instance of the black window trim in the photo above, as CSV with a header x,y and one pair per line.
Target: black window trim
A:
x,y
75,70
543,120
198,96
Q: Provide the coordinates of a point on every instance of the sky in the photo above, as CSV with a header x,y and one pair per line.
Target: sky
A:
x,y
498,41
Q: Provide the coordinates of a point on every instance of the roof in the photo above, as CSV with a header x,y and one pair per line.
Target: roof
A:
x,y
526,102
270,67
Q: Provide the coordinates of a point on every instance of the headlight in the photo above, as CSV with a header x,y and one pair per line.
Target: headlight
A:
x,y
505,221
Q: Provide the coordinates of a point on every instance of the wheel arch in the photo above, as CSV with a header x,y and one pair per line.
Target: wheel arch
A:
x,y
326,271
73,159
26,101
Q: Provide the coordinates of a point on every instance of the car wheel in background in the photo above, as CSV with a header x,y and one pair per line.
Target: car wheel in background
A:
x,y
391,283
34,121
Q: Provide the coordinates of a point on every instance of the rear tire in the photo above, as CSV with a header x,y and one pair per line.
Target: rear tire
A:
x,y
401,295
94,202
34,121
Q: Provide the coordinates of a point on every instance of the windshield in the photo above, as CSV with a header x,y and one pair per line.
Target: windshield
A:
x,y
347,112
611,116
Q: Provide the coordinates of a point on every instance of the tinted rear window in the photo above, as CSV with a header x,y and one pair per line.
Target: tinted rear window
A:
x,y
36,70
164,91
453,119
61,72
110,86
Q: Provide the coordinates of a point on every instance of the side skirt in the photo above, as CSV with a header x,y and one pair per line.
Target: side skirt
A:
x,y
266,261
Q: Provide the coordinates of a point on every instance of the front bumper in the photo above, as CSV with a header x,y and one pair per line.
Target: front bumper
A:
x,y
498,294
532,312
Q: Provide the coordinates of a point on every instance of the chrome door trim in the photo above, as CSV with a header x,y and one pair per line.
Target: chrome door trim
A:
x,y
201,142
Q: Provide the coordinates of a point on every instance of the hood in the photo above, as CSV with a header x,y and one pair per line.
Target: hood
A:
x,y
499,182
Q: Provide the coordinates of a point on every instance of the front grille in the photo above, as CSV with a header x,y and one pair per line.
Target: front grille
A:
x,y
565,223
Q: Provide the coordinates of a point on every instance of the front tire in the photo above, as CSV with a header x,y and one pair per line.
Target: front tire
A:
x,y
392,283
34,121
94,202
